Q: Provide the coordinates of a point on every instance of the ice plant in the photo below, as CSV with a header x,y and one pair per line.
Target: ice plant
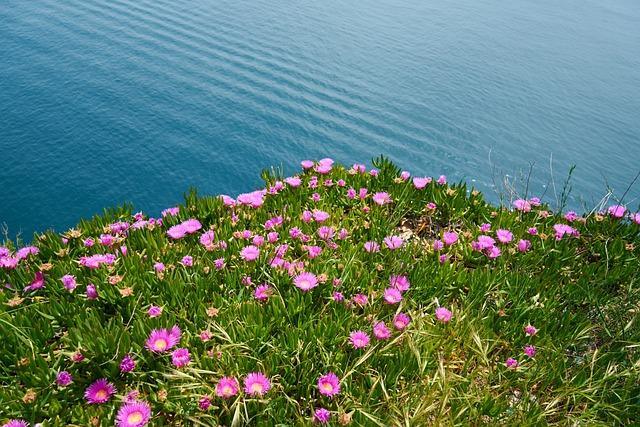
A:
x,y
381,331
256,384
163,339
329,384
99,392
359,339
321,415
180,357
127,364
63,378
133,414
227,387
392,296
16,423
443,315
305,281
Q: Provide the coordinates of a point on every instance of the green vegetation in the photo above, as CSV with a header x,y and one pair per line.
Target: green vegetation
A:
x,y
567,295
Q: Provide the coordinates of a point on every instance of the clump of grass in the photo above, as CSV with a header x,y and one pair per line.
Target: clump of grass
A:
x,y
340,296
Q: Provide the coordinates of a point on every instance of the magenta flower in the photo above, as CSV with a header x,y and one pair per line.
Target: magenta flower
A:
x,y
329,384
493,252
262,292
256,384
571,216
438,245
127,364
420,183
617,211
326,233
306,164
321,416
562,229
360,300
530,330
450,237
524,245
204,403
401,283
371,247
522,205
159,267
401,321
163,339
381,198
227,387
381,331
443,315
63,378
320,216
636,218
187,261
171,211
305,281
504,236
16,423
69,282
359,339
207,239
92,292
177,232
249,253
442,180
530,350
393,242
99,392
392,296
511,363
133,414
485,227
532,231
154,311
180,357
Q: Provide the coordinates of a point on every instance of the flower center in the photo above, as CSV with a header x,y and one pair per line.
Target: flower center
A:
x,y
256,388
160,344
327,387
101,394
227,391
134,417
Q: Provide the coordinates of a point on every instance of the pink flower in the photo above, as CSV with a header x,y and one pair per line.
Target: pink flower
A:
x,y
306,164
133,414
305,281
163,339
171,211
218,263
392,296
320,216
362,193
326,233
371,247
159,267
249,253
450,237
401,321
530,330
530,350
493,252
293,181
359,339
438,245
485,227
485,242
177,232
262,292
393,242
321,416
63,378
204,403
404,175
442,180
360,300
381,198
532,231
504,236
99,392
571,216
524,245
207,240
563,229
337,296
381,331
522,205
127,364
511,363
227,387
254,199
420,183
401,283
329,384
617,211
180,357
535,201
256,384
443,315
313,251
351,193
636,218
69,282
187,261
154,311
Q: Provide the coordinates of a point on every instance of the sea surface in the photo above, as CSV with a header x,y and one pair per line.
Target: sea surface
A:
x,y
110,101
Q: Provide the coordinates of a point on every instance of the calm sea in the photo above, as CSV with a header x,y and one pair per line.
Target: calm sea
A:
x,y
111,101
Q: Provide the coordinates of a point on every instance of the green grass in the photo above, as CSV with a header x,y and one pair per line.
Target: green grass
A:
x,y
580,292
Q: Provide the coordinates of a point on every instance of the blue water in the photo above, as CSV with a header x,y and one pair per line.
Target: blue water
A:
x,y
111,101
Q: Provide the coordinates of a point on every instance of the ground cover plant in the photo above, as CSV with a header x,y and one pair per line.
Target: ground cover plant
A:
x,y
340,296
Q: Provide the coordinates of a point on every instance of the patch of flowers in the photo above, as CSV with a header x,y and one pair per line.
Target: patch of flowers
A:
x,y
338,295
